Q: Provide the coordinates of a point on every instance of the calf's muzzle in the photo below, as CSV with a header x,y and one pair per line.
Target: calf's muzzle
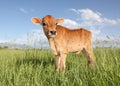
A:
x,y
53,32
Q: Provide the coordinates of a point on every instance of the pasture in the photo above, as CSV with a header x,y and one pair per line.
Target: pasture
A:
x,y
32,67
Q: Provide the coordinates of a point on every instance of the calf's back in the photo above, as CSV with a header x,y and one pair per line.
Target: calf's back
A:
x,y
72,40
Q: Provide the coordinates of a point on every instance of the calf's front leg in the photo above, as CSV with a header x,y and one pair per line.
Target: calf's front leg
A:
x,y
62,62
57,62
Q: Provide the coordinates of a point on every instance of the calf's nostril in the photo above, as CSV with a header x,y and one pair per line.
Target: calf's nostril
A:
x,y
53,32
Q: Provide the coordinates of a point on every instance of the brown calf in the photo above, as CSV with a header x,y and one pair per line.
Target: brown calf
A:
x,y
63,40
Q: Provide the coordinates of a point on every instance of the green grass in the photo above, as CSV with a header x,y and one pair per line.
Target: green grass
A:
x,y
36,68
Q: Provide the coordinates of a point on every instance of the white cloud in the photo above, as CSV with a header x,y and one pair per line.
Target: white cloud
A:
x,y
91,18
111,21
23,10
70,24
95,32
108,41
35,38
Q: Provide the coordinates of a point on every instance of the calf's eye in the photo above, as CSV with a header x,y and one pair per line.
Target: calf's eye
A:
x,y
56,23
44,24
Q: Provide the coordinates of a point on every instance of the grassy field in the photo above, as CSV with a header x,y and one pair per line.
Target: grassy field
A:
x,y
36,68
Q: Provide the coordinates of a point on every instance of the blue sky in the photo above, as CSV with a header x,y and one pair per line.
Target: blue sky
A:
x,y
102,17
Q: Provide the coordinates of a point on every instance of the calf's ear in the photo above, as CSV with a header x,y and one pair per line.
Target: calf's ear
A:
x,y
60,20
36,20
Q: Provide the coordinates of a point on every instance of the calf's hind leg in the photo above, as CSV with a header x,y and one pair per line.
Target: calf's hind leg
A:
x,y
90,56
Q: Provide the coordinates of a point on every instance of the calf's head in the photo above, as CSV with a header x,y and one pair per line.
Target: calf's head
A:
x,y
49,24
